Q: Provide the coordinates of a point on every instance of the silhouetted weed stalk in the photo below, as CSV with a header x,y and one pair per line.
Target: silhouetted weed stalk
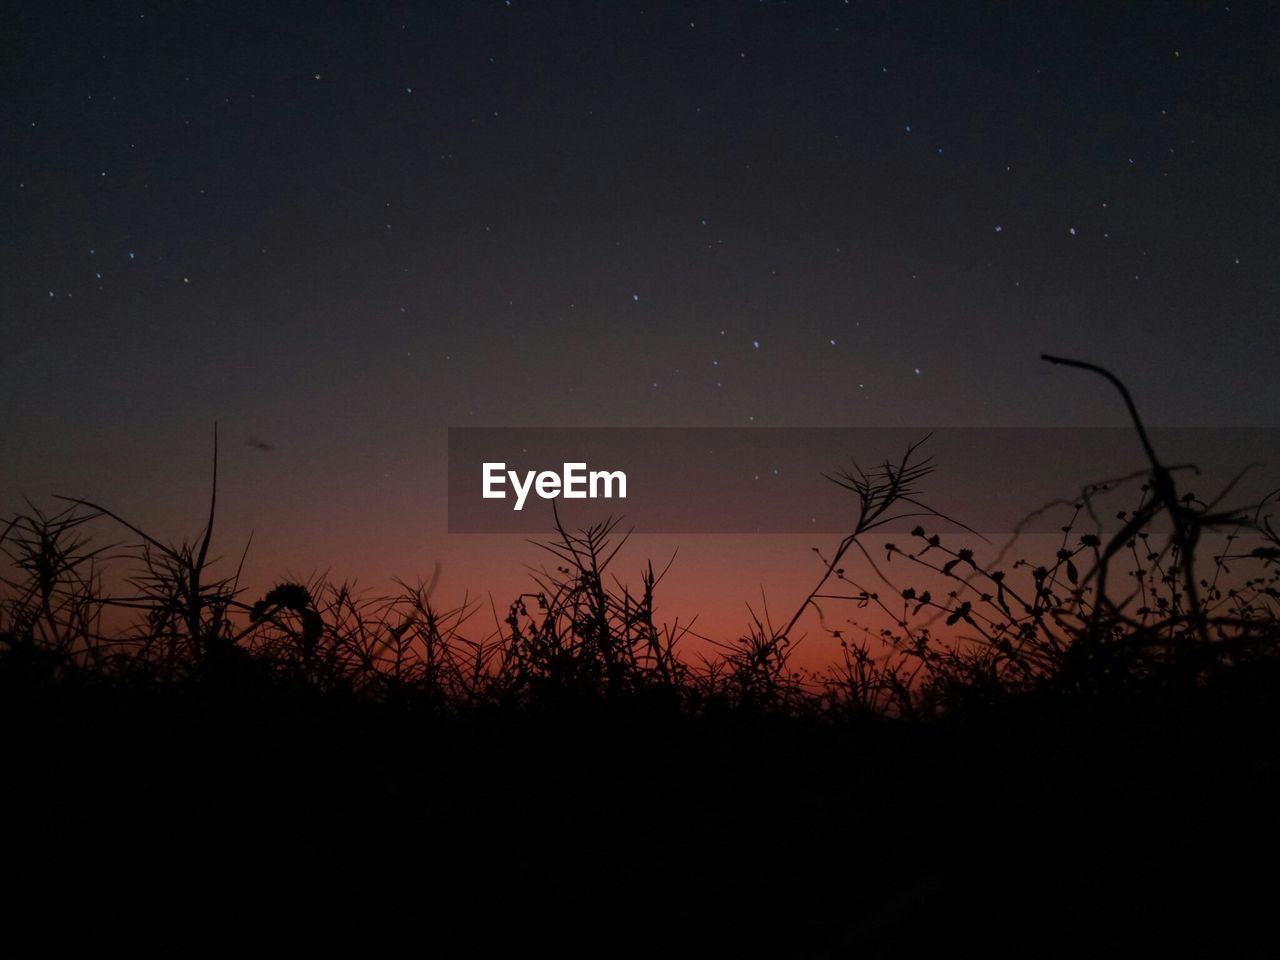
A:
x,y
1174,620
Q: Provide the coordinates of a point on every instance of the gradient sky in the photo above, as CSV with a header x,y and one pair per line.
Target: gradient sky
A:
x,y
339,229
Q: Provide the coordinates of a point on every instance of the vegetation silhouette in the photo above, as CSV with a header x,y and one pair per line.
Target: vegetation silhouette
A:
x,y
1008,758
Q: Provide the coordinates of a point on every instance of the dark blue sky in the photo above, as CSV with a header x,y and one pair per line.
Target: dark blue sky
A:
x,y
339,229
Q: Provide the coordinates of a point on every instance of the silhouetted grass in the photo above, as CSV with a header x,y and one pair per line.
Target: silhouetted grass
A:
x,y
1010,756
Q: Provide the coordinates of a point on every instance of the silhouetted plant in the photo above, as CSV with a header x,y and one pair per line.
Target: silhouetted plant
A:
x,y
581,633
958,628
1058,624
50,615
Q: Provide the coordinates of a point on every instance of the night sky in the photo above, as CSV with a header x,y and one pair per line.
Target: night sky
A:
x,y
339,229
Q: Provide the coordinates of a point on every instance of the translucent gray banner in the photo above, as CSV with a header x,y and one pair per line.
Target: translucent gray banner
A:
x,y
779,480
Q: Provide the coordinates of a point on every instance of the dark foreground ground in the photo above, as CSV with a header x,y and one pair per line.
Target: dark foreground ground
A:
x,y
206,816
